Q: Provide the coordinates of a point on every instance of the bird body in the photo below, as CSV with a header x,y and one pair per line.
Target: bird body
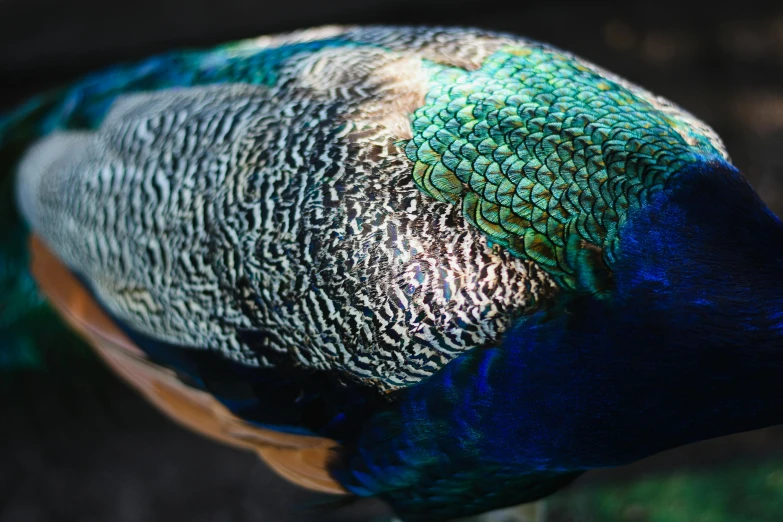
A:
x,y
476,265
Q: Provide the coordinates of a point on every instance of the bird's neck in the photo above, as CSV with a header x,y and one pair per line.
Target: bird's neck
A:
x,y
693,335
688,346
706,262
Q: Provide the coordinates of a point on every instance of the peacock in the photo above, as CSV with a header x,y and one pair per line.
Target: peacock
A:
x,y
445,267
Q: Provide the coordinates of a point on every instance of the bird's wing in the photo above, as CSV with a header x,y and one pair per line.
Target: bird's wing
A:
x,y
173,215
275,221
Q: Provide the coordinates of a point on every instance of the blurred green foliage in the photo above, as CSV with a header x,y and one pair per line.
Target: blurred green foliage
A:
x,y
741,492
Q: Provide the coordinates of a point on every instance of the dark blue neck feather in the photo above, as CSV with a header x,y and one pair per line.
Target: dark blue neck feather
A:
x,y
688,345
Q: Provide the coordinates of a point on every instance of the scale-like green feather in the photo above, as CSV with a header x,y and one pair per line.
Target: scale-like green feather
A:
x,y
545,153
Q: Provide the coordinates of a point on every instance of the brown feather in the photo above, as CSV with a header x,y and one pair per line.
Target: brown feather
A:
x,y
298,458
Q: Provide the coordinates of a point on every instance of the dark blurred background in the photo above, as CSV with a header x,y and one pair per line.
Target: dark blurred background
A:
x,y
78,445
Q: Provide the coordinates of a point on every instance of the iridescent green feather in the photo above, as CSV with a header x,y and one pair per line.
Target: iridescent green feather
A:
x,y
546,154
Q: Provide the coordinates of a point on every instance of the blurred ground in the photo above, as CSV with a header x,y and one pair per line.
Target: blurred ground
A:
x,y
78,445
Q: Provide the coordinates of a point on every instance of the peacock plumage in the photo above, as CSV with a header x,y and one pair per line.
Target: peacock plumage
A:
x,y
448,268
